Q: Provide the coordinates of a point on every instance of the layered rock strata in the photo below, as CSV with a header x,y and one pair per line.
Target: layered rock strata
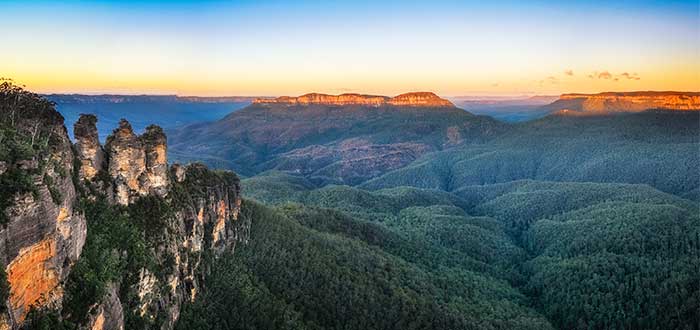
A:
x,y
423,99
611,102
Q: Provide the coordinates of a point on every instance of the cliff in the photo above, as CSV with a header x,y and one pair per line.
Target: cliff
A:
x,y
104,237
416,99
42,232
611,102
186,212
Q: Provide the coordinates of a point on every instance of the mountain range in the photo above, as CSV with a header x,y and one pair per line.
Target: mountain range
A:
x,y
143,110
351,139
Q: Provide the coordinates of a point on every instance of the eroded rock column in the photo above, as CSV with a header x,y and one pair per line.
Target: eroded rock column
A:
x,y
89,150
127,163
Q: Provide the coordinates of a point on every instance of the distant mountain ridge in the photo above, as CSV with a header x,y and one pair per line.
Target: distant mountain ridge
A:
x,y
506,108
615,102
346,138
426,99
117,98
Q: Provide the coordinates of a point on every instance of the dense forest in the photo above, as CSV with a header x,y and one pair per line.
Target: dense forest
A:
x,y
518,255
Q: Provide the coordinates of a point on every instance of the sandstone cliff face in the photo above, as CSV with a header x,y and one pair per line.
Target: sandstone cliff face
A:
x,y
625,102
423,99
44,234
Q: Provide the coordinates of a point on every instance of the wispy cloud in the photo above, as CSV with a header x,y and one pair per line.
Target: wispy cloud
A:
x,y
614,77
605,75
569,72
630,76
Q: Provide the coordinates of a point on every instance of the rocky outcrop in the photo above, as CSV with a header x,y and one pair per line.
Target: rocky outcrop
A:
x,y
610,102
43,233
207,206
109,315
137,164
420,99
206,219
88,148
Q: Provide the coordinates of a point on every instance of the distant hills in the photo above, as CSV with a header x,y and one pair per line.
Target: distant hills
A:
x,y
524,108
115,98
346,138
507,109
142,110
366,140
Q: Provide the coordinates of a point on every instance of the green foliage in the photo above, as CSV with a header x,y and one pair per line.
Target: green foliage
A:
x,y
618,265
304,278
56,195
46,319
236,299
26,120
586,255
121,242
654,148
115,245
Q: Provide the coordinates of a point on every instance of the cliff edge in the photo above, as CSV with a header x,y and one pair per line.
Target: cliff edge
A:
x,y
103,236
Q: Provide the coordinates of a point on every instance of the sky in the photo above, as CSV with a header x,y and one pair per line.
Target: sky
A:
x,y
270,48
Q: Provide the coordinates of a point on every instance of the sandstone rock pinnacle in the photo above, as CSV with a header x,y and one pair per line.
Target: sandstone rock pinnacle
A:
x,y
137,164
88,146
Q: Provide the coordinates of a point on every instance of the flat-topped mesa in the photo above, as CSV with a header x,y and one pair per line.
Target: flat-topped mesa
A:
x,y
630,101
137,164
425,99
417,99
89,150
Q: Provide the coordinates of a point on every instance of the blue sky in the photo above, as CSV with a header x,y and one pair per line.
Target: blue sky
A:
x,y
282,47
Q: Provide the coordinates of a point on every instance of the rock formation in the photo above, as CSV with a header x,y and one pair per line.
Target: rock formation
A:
x,y
43,233
89,150
137,164
610,102
422,99
207,217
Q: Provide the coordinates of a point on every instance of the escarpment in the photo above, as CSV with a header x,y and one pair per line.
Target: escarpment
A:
x,y
611,102
422,99
104,237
